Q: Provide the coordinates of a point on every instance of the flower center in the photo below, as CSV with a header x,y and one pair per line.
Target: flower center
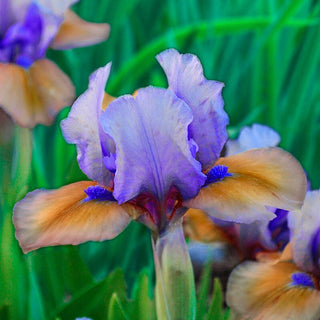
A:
x,y
21,42
159,214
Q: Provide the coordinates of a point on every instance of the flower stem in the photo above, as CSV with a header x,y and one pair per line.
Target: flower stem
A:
x,y
175,289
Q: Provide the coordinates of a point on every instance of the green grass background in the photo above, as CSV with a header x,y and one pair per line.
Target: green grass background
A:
x,y
268,55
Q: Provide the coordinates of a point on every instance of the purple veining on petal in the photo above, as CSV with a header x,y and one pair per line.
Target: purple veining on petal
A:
x,y
315,249
208,128
217,173
152,148
278,228
98,193
302,279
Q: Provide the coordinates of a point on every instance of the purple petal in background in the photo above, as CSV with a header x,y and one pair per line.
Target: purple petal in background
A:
x,y
304,227
152,149
186,80
258,136
82,128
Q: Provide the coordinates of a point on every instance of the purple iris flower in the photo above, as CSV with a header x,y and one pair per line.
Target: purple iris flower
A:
x,y
158,153
27,29
152,157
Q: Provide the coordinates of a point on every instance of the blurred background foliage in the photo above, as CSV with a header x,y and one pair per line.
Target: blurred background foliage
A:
x,y
268,55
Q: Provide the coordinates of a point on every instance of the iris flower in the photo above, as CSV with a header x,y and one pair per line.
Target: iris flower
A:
x,y
287,288
152,157
264,238
32,88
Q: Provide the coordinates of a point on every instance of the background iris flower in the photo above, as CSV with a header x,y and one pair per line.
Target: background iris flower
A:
x,y
287,288
152,157
27,29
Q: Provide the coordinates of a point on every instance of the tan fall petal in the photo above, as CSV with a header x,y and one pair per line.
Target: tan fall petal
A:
x,y
35,95
199,227
265,291
75,32
56,217
260,177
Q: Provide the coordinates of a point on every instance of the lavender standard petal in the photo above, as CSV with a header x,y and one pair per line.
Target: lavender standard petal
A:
x,y
186,80
82,128
152,149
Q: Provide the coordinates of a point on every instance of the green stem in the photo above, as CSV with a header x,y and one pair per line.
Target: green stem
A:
x,y
21,164
175,289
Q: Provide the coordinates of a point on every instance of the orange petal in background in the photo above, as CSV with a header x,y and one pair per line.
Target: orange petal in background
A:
x,y
199,227
55,217
266,291
34,95
260,177
75,32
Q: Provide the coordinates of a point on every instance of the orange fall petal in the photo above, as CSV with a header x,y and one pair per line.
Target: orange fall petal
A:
x,y
76,32
55,217
264,291
199,227
34,95
260,178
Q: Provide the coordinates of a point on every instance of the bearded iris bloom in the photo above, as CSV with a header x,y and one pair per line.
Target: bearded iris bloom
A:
x,y
287,288
27,29
152,157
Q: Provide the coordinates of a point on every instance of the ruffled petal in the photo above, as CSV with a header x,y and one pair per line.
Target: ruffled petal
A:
x,y
152,149
61,216
259,178
82,128
39,92
258,136
186,80
304,226
76,32
267,291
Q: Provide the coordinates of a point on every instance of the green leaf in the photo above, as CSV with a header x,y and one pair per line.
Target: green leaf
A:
x,y
14,287
203,292
4,312
216,307
142,307
94,301
116,311
60,273
21,164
